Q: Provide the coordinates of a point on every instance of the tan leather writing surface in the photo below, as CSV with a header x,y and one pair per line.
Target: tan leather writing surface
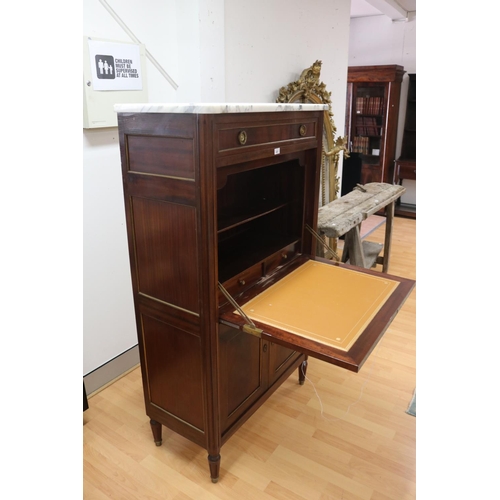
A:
x,y
326,303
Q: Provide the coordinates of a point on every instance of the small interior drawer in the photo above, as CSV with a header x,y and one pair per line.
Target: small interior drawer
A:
x,y
242,281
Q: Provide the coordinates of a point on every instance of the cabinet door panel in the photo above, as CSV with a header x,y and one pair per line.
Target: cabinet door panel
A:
x,y
242,377
280,358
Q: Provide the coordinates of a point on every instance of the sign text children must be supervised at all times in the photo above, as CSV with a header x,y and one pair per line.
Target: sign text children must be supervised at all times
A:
x,y
115,66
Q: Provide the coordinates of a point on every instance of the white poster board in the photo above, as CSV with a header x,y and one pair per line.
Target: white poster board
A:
x,y
114,72
115,66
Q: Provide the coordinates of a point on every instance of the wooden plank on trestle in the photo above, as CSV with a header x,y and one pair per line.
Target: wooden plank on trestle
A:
x,y
342,214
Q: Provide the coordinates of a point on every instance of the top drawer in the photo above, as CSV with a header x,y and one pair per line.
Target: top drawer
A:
x,y
241,137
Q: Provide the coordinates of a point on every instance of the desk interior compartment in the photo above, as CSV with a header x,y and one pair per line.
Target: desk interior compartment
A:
x,y
259,214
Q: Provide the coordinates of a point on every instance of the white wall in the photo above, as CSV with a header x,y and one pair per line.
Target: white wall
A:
x,y
378,40
170,30
268,44
215,51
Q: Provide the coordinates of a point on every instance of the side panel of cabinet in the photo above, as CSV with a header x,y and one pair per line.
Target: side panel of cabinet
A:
x,y
174,376
159,165
165,251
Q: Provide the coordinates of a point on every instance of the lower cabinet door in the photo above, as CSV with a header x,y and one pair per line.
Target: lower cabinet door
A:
x,y
280,358
243,369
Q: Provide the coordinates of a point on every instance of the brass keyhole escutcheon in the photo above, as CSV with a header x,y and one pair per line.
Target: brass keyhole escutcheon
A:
x,y
264,347
242,137
303,130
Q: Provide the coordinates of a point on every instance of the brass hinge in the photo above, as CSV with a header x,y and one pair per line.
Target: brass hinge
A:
x,y
252,330
250,327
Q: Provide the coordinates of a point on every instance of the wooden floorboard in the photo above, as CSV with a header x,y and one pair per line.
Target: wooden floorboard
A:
x,y
340,436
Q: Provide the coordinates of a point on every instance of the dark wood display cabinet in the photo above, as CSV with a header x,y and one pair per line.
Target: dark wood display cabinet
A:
x,y
372,108
406,164
221,205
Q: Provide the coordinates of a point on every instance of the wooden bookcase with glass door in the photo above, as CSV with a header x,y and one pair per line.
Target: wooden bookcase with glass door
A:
x,y
372,108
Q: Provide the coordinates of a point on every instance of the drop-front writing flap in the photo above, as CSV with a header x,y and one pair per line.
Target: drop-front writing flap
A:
x,y
330,311
325,303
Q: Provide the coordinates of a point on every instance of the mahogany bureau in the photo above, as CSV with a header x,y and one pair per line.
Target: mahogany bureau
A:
x,y
221,204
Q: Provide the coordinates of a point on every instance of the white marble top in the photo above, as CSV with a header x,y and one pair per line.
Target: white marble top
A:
x,y
215,108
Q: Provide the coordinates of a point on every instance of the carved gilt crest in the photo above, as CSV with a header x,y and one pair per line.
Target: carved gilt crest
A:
x,y
310,89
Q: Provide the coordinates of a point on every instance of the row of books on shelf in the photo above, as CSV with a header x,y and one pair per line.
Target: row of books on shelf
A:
x,y
360,145
366,125
369,105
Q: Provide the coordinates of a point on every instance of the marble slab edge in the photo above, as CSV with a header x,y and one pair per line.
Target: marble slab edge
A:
x,y
216,108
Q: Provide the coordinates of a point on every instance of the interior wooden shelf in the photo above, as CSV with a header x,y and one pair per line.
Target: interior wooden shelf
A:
x,y
232,221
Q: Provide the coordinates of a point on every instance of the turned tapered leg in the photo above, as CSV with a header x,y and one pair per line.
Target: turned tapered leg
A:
x,y
214,464
302,371
156,428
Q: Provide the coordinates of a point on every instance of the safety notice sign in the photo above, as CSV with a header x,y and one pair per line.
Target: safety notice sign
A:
x,y
115,66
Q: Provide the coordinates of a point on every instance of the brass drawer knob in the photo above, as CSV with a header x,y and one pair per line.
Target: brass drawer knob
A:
x,y
303,130
242,137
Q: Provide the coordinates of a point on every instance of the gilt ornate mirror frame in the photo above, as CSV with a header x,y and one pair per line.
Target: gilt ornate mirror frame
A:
x,y
309,89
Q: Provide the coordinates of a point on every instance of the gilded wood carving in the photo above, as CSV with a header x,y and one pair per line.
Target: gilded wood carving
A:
x,y
309,89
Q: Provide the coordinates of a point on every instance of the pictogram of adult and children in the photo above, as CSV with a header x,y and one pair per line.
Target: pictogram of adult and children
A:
x,y
105,66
